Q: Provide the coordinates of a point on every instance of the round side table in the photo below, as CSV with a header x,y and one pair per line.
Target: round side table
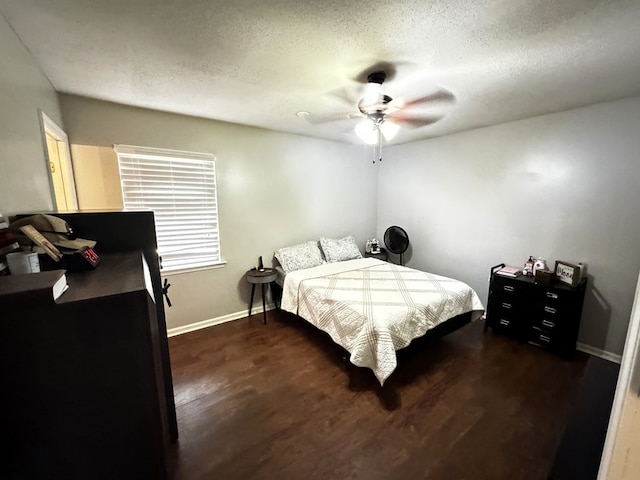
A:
x,y
262,278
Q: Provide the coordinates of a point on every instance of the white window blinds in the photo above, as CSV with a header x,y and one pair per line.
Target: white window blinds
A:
x,y
180,188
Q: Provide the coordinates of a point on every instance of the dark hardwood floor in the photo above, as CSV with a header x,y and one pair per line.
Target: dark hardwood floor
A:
x,y
278,402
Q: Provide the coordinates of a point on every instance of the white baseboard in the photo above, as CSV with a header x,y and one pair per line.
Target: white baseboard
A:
x,y
612,357
171,332
192,327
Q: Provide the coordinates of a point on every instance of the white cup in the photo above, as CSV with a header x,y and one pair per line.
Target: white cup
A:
x,y
23,262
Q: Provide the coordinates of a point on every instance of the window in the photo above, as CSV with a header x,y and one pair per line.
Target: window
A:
x,y
180,188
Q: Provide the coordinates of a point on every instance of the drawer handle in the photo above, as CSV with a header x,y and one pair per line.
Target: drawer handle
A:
x,y
552,295
548,324
550,310
504,322
545,338
509,288
506,306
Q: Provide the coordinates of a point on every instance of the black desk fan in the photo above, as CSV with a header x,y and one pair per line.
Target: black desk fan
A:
x,y
397,241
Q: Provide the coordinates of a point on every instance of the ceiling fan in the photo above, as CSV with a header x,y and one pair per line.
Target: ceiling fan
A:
x,y
382,116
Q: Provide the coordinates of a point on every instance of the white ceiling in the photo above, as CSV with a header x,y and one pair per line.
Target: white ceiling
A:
x,y
258,62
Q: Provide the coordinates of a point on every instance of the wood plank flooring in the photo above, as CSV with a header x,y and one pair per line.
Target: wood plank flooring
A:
x,y
278,402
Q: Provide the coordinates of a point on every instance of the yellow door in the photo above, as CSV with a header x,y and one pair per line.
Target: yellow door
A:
x,y
55,170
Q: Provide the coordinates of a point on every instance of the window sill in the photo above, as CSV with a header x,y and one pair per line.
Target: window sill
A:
x,y
215,266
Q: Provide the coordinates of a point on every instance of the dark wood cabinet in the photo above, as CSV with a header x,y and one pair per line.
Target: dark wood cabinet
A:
x,y
547,315
133,231
83,386
87,385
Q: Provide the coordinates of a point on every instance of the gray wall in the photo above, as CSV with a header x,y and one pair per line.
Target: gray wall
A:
x,y
563,187
274,190
24,90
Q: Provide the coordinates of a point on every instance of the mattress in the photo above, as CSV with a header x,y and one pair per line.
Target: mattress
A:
x,y
373,308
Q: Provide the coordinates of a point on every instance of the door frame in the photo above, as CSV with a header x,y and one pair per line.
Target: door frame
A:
x,y
621,444
53,129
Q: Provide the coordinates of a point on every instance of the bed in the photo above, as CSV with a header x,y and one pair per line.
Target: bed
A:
x,y
372,308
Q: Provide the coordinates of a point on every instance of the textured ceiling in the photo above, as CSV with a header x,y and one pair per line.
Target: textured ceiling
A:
x,y
258,62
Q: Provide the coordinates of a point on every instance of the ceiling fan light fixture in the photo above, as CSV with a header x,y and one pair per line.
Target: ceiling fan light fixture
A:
x,y
367,131
389,129
372,94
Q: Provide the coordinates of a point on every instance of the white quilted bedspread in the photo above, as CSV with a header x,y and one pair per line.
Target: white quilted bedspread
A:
x,y
373,308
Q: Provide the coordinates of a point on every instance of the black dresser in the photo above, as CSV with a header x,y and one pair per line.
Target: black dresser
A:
x,y
547,315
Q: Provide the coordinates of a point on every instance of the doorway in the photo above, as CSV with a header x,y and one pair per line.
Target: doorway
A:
x,y
60,169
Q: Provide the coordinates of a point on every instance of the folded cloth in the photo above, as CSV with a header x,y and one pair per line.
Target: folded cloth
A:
x,y
55,229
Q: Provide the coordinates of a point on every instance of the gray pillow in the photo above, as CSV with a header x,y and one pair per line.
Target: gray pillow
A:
x,y
303,255
340,249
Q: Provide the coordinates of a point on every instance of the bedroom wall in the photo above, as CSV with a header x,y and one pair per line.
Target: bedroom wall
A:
x,y
562,186
274,190
24,90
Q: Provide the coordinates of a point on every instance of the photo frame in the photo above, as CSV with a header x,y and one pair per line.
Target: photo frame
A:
x,y
567,273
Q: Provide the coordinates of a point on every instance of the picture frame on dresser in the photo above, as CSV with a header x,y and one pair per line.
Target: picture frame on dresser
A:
x,y
566,272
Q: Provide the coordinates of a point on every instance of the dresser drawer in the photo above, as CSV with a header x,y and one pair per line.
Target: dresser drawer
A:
x,y
542,337
551,311
505,287
550,325
561,342
507,306
511,326
507,317
506,311
558,298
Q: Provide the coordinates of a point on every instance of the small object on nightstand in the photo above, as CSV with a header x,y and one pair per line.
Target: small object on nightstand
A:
x,y
260,265
375,246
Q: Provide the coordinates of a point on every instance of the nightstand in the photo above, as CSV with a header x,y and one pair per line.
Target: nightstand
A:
x,y
380,256
261,277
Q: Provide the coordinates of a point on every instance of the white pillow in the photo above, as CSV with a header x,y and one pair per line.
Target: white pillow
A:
x,y
303,255
340,250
